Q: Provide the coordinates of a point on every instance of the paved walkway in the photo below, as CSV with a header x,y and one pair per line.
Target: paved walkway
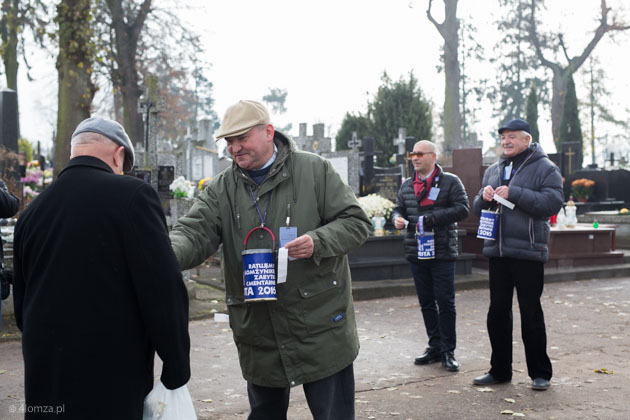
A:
x,y
588,329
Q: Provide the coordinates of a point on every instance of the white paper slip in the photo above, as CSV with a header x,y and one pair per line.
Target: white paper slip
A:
x,y
503,201
283,256
218,317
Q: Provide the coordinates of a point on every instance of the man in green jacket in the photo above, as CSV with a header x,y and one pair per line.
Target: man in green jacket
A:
x,y
308,334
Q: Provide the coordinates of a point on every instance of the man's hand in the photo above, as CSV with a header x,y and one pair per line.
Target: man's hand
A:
x,y
488,192
399,222
301,247
503,191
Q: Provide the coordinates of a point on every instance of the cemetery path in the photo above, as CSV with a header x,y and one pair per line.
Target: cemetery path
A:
x,y
587,325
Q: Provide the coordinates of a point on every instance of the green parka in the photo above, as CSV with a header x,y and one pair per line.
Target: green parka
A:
x,y
309,333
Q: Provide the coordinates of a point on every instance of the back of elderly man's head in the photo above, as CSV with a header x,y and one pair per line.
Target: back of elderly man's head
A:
x,y
98,130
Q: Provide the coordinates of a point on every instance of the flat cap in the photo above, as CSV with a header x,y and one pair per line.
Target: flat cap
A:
x,y
242,116
113,131
516,125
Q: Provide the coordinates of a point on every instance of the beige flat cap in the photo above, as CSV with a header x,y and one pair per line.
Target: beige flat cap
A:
x,y
242,116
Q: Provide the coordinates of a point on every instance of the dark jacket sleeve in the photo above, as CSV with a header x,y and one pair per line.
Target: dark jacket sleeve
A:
x,y
161,293
9,204
543,201
399,210
458,207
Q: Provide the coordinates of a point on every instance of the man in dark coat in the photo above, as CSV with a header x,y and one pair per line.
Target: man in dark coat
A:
x,y
526,178
433,201
97,287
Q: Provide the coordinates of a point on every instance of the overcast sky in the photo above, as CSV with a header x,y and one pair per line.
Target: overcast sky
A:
x,y
330,54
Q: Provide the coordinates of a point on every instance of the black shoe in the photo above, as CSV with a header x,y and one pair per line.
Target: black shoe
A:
x,y
431,355
540,384
488,379
449,362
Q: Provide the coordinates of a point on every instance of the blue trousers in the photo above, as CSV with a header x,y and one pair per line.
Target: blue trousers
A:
x,y
331,398
435,286
527,277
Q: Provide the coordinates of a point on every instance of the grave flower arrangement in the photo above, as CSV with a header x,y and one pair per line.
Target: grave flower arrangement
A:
x,y
182,188
376,205
582,188
203,183
34,176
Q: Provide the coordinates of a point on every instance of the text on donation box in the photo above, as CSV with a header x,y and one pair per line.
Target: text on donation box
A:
x,y
259,275
426,246
488,224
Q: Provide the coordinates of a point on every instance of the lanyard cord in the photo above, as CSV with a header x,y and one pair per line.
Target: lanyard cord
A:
x,y
262,219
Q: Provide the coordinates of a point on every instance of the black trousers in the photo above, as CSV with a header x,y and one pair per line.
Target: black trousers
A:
x,y
435,286
528,279
331,398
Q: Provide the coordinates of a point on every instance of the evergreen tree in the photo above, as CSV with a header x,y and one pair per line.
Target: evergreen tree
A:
x,y
398,104
570,129
532,113
351,122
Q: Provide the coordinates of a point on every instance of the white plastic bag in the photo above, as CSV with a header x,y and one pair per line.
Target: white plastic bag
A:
x,y
166,404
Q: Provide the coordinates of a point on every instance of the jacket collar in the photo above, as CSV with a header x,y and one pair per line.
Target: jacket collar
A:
x,y
536,152
87,161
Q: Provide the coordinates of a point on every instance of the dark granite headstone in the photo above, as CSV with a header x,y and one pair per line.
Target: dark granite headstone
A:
x,y
166,176
8,119
570,157
609,185
143,175
368,165
386,182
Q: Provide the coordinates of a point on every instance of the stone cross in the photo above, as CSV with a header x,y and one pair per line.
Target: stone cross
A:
x,y
150,107
400,140
570,155
355,143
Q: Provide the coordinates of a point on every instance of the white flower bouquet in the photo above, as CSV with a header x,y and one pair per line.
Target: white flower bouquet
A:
x,y
181,188
376,205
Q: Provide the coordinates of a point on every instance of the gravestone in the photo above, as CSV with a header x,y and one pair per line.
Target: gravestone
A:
x,y
9,120
400,141
367,166
611,190
386,182
570,157
150,107
468,166
345,162
317,143
166,176
12,166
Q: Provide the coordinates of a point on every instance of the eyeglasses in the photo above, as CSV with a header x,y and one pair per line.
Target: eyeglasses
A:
x,y
420,154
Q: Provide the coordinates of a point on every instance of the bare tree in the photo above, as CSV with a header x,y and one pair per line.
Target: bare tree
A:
x,y
74,68
127,22
561,72
449,30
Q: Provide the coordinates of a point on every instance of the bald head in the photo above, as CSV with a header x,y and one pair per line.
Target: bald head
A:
x,y
423,157
98,146
427,146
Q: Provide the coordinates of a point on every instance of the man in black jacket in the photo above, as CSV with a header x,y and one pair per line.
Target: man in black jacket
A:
x,y
97,287
433,200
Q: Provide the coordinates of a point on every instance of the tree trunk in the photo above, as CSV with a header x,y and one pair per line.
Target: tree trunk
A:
x,y
559,89
127,29
449,30
74,67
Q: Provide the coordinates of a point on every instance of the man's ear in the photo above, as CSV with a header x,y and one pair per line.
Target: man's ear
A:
x,y
119,157
269,130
